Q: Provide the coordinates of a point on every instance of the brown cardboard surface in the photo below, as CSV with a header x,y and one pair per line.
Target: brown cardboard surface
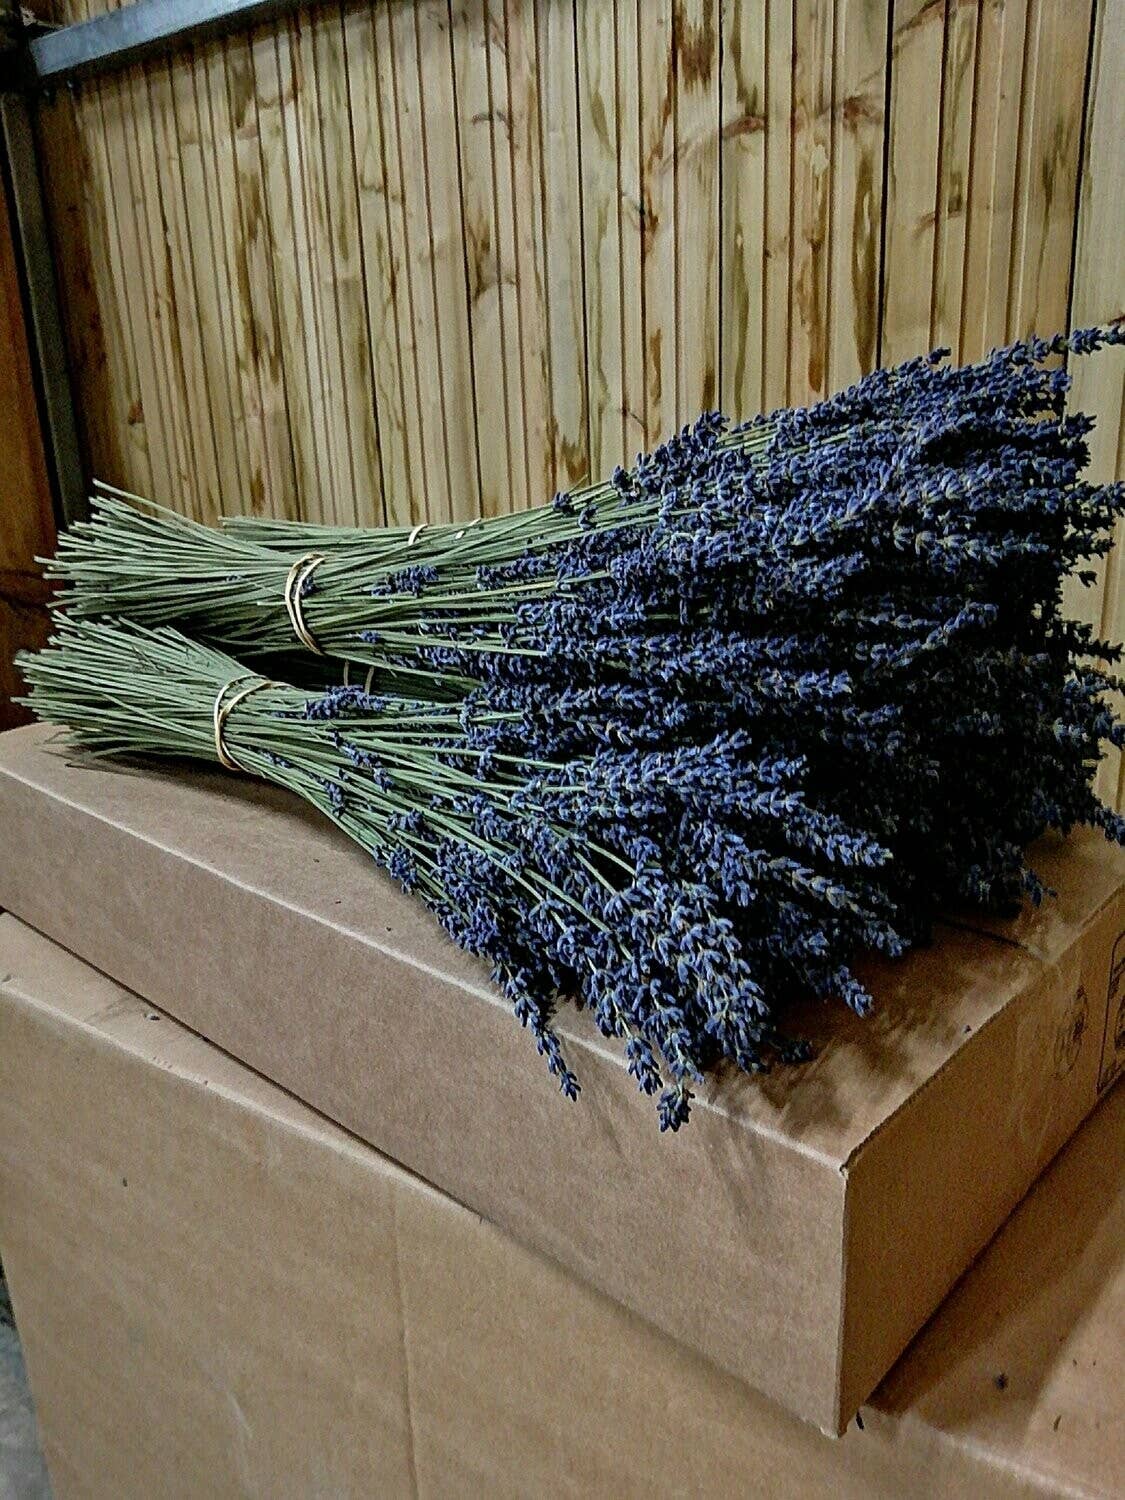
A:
x,y
222,1293
823,1211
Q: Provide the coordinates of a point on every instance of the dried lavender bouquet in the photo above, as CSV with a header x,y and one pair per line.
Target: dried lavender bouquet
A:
x,y
871,586
556,871
666,545
360,595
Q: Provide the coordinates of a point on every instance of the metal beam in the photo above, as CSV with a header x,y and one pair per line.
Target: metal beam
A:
x,y
139,30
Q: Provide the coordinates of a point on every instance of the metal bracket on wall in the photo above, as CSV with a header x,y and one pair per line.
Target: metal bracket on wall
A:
x,y
20,179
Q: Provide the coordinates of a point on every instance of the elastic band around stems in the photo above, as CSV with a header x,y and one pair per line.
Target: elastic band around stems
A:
x,y
416,533
221,712
299,574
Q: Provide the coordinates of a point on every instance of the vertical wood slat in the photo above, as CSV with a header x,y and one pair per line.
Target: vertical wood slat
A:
x,y
981,188
129,279
253,291
856,188
116,267
114,270
531,355
991,199
391,296
743,135
375,151
1099,298
167,318
597,52
431,182
213,370
233,282
290,163
801,187
562,239
695,37
631,219
315,185
432,499
182,280
444,249
221,328
913,164
811,246
1051,118
957,76
98,332
777,214
488,269
275,89
507,213
659,175
360,491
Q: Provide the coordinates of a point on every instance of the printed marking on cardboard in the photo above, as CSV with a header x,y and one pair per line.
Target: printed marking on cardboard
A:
x,y
1113,1037
1072,1030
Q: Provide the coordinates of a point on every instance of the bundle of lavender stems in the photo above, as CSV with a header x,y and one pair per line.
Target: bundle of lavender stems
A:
x,y
678,746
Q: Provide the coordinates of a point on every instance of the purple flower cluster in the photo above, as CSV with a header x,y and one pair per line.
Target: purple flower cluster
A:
x,y
769,701
677,893
879,596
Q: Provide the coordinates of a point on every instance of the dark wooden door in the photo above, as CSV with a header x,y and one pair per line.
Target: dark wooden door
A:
x,y
27,527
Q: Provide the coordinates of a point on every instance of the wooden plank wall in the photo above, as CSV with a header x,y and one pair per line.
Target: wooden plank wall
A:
x,y
429,258
405,259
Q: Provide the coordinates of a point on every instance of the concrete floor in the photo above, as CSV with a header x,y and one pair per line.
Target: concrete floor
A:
x,y
22,1472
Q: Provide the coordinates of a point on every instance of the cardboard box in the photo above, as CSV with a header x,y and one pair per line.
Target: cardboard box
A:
x,y
797,1233
221,1293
